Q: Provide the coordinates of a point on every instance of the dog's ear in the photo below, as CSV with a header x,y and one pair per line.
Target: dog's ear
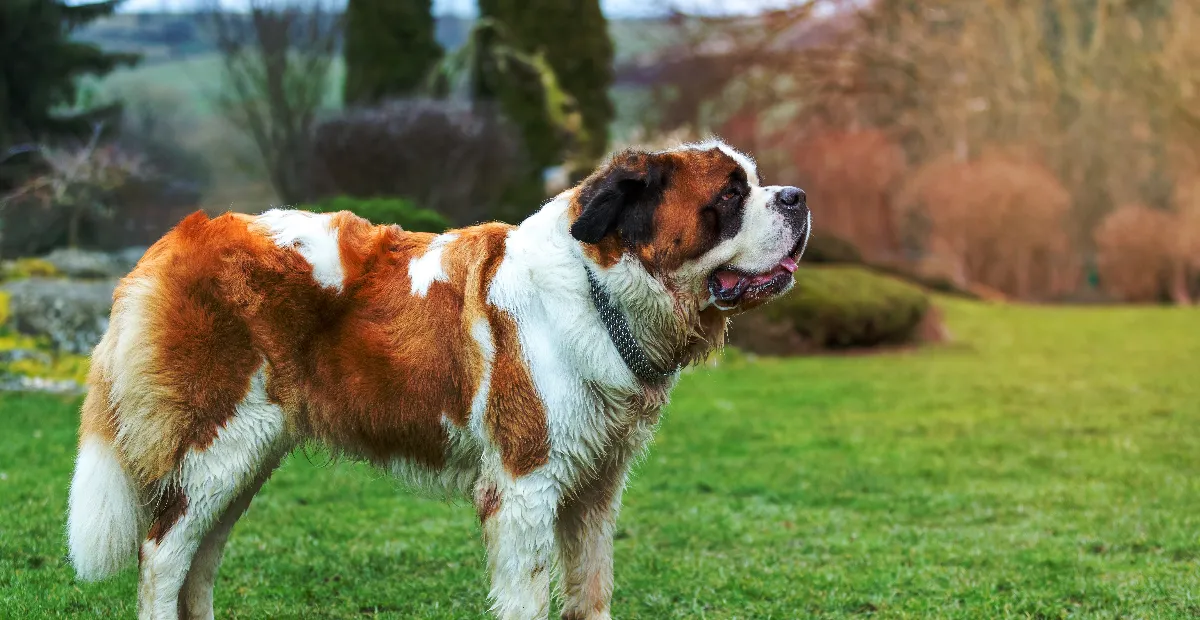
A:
x,y
622,197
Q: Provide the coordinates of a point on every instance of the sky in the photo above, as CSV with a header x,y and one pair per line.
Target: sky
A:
x,y
612,8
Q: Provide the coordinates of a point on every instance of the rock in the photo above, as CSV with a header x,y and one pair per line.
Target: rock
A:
x,y
21,355
72,314
75,263
18,383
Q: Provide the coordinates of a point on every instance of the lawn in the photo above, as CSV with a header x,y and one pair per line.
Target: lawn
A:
x,y
1045,464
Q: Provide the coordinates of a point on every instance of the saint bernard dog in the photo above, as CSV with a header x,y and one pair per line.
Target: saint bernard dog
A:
x,y
523,367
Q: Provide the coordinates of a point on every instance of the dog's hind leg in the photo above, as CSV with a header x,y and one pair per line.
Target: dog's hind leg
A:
x,y
197,505
196,599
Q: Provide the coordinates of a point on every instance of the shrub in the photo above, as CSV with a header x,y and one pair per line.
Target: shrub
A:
x,y
454,158
23,268
831,249
386,211
1136,253
850,177
834,308
999,221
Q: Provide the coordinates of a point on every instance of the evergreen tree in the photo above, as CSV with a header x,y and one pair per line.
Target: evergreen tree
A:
x,y
40,65
389,48
491,73
572,36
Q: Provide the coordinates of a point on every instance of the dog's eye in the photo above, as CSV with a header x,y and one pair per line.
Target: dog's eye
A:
x,y
732,193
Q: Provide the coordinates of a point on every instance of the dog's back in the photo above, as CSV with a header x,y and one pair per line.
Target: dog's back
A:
x,y
247,334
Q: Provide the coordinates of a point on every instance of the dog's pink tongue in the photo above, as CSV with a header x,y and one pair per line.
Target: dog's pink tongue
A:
x,y
788,263
728,279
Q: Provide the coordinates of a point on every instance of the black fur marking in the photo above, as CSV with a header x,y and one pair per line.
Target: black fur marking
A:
x,y
726,215
624,198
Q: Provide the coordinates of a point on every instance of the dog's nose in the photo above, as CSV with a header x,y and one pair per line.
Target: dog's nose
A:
x,y
791,197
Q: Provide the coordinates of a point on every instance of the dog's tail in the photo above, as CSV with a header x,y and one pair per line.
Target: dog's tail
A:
x,y
102,520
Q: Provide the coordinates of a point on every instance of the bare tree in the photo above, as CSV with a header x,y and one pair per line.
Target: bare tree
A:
x,y
78,184
276,60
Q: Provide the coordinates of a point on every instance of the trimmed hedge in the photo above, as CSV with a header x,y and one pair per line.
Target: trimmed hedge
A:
x,y
830,249
834,307
399,211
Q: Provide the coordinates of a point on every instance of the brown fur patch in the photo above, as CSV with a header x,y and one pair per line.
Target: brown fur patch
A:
x,y
97,418
196,354
167,511
383,367
515,412
487,502
680,233
371,371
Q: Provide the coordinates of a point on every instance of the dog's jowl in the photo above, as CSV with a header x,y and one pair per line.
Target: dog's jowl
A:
x,y
522,367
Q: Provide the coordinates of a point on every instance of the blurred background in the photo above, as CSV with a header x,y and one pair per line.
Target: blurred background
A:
x,y
1006,205
1041,151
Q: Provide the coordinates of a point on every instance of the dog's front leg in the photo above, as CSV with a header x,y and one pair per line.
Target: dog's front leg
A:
x,y
586,521
517,517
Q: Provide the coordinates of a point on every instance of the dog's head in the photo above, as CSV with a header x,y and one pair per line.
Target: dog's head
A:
x,y
698,220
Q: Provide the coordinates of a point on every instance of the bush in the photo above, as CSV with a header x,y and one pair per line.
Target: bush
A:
x,y
850,177
1136,252
1001,220
386,211
451,157
834,308
23,268
830,249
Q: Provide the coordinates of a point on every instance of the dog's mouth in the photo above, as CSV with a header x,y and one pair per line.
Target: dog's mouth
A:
x,y
731,287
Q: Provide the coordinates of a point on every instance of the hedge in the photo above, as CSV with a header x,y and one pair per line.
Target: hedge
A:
x,y
385,211
834,307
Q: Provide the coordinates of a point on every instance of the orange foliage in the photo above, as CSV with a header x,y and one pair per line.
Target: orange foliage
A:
x,y
998,221
1186,201
850,177
1136,251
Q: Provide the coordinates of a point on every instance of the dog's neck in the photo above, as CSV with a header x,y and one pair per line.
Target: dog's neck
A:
x,y
621,334
671,333
635,307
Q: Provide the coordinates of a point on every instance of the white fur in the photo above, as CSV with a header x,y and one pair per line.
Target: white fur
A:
x,y
764,239
586,389
102,523
244,451
426,269
481,332
745,161
314,237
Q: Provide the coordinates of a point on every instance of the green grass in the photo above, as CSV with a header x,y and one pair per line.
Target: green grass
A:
x,y
1045,465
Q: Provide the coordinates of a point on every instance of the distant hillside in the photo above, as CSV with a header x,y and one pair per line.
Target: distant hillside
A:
x,y
173,36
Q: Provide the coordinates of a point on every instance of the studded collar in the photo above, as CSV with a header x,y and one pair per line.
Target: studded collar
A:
x,y
622,337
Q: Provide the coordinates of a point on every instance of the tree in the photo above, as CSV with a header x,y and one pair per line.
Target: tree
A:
x,y
572,36
389,48
276,64
491,74
78,184
39,70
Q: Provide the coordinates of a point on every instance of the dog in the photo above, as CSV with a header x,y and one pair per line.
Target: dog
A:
x,y
523,367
